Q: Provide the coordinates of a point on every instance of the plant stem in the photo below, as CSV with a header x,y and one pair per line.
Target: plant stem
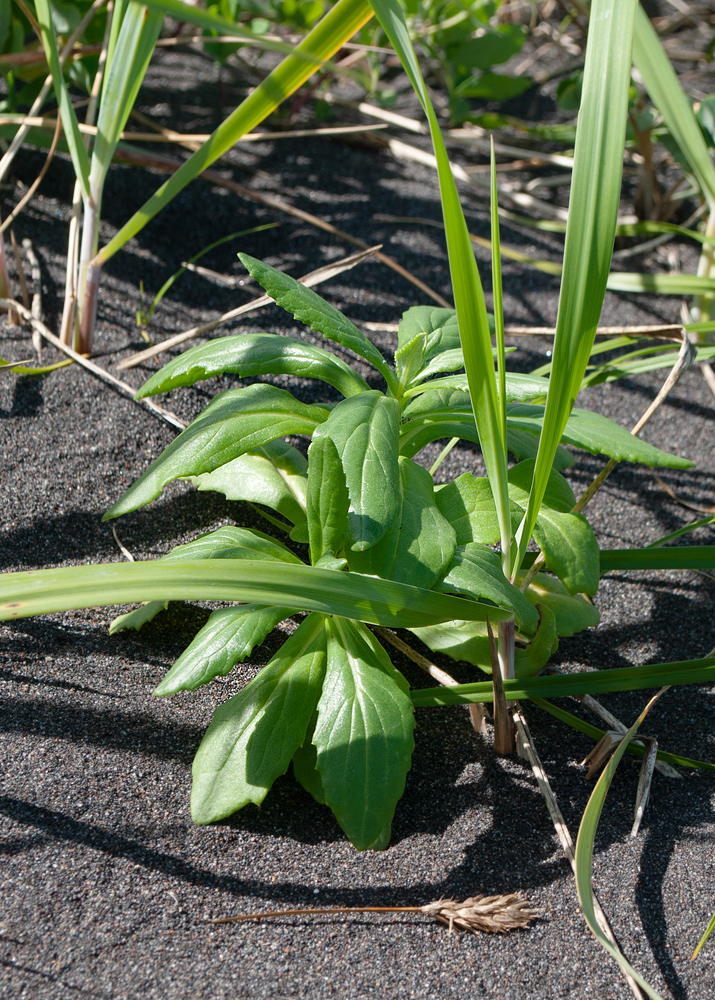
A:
x,y
502,668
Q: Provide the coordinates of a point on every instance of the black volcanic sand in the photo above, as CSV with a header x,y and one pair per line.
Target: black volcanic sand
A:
x,y
106,883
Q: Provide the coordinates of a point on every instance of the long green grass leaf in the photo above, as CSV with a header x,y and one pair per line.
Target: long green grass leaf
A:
x,y
708,931
593,210
339,24
305,588
584,856
589,682
469,300
673,557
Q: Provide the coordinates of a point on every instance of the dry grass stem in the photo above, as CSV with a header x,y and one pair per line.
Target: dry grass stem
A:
x,y
20,271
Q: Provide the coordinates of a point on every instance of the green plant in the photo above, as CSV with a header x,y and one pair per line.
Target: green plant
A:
x,y
384,547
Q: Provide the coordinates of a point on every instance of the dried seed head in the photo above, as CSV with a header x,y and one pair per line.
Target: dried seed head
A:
x,y
491,914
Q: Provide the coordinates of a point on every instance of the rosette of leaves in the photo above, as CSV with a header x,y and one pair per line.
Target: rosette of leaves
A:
x,y
330,700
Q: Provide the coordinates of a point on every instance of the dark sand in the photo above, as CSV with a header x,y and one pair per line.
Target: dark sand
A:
x,y
105,882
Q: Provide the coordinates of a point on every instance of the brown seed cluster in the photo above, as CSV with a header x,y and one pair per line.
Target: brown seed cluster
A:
x,y
491,914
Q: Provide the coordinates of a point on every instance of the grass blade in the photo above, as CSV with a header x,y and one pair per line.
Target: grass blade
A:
x,y
708,931
563,685
341,22
675,557
593,210
584,854
468,292
306,588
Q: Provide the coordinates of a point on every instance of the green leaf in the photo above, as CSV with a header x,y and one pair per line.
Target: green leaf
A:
x,y
585,844
237,421
224,543
469,641
439,327
140,616
254,735
518,387
572,613
305,588
365,431
489,49
363,734
409,359
327,499
420,544
251,355
426,539
232,542
476,571
590,231
468,504
525,445
597,435
309,308
339,24
227,638
567,540
565,685
274,475
708,931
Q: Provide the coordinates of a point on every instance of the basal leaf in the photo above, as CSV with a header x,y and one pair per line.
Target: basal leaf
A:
x,y
237,421
305,761
254,735
365,431
251,355
477,571
363,734
327,499
233,542
420,544
227,638
309,308
224,543
274,475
